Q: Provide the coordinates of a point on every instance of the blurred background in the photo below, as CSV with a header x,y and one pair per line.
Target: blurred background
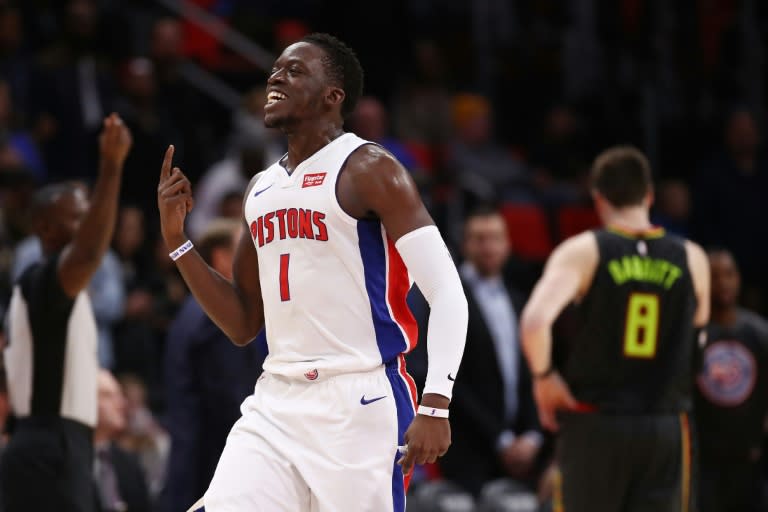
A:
x,y
502,102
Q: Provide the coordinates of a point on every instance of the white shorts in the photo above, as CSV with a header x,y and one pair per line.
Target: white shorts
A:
x,y
318,446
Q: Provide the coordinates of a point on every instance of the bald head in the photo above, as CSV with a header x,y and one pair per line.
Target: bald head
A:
x,y
57,211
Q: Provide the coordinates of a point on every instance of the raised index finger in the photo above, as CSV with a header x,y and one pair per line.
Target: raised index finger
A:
x,y
165,170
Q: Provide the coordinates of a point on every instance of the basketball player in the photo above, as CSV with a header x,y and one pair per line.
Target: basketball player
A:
x,y
334,229
624,393
51,356
732,396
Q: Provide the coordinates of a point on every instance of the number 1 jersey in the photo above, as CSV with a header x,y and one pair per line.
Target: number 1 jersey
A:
x,y
334,287
634,349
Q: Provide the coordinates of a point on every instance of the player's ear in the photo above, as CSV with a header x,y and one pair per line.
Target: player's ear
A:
x,y
650,197
335,96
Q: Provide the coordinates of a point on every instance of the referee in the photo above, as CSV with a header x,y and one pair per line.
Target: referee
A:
x,y
51,356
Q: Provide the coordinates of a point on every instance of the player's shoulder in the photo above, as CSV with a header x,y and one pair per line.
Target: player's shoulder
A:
x,y
372,159
582,245
579,252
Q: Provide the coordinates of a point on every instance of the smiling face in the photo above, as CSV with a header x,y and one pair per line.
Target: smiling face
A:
x,y
299,88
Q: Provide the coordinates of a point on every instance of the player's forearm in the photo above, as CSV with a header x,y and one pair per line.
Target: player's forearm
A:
x,y
536,337
431,266
218,297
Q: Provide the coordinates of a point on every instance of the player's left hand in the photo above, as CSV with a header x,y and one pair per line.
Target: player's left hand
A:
x,y
427,438
552,394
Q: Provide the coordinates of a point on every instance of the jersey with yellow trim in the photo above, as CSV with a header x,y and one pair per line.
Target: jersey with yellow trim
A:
x,y
634,348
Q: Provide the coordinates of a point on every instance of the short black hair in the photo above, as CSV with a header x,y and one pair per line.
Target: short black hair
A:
x,y
342,66
485,209
622,175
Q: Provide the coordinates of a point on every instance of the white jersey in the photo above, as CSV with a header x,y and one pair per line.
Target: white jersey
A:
x,y
334,287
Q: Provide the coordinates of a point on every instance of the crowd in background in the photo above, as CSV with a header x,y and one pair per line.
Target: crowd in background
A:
x,y
485,102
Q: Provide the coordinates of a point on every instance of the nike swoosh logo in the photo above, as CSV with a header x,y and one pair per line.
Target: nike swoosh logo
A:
x,y
363,401
262,190
451,378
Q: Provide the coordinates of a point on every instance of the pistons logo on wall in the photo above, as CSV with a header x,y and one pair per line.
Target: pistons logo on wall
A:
x,y
729,373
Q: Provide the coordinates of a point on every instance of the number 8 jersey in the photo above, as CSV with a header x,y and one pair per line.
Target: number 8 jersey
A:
x,y
633,353
334,287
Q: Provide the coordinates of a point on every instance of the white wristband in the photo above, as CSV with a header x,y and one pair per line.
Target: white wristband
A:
x,y
181,251
432,411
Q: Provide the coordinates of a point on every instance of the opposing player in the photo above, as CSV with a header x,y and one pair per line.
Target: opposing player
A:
x,y
624,391
334,229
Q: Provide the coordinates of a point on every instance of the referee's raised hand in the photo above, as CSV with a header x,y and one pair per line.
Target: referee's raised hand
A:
x,y
114,143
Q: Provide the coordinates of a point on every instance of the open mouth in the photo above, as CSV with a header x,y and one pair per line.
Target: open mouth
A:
x,y
275,96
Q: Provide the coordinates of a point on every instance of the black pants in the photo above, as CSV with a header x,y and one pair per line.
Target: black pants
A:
x,y
48,465
730,485
625,464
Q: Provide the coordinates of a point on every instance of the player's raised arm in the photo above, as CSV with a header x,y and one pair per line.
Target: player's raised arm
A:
x,y
385,189
567,275
236,307
82,256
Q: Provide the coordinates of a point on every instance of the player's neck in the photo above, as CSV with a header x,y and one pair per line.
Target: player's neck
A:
x,y
633,219
308,140
725,316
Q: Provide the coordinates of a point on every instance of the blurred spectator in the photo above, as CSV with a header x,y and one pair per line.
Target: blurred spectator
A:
x,y
18,140
246,158
673,206
558,152
485,170
71,92
152,124
143,434
370,121
120,481
728,200
494,423
17,186
16,189
177,95
231,205
732,397
15,63
136,335
422,107
207,378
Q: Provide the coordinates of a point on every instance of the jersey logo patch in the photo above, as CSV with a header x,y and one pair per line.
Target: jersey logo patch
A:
x,y
729,373
313,180
311,375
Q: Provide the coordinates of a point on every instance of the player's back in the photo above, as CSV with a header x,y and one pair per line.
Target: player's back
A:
x,y
633,351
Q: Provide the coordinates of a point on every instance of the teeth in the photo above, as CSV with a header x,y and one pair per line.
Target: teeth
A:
x,y
275,96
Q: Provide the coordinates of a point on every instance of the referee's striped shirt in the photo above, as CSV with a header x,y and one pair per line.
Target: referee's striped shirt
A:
x,y
51,359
